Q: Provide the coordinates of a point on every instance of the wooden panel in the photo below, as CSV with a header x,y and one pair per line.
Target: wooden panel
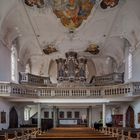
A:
x,y
117,120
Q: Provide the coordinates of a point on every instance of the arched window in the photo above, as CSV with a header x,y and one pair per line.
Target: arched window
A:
x,y
14,59
27,68
26,113
129,64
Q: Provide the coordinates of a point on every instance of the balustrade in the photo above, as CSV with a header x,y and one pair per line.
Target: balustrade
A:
x,y
12,89
4,88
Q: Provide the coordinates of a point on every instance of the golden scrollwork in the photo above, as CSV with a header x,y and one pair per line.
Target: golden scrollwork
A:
x,y
93,49
108,3
49,49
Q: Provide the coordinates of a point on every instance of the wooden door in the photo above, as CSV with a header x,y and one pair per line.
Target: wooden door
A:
x,y
130,117
13,118
117,120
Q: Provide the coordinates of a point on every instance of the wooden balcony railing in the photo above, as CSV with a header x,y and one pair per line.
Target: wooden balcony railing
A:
x,y
30,91
27,78
109,79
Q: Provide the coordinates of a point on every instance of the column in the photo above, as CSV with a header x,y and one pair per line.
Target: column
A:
x,y
57,117
54,116
104,115
124,117
90,117
39,115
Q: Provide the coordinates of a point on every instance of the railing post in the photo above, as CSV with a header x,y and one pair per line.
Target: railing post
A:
x,y
131,86
138,135
122,135
102,92
6,136
52,92
16,135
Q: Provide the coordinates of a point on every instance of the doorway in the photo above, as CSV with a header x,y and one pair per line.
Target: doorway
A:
x,y
130,117
13,118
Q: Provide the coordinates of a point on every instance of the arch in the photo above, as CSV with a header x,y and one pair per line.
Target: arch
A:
x,y
52,71
28,66
91,68
8,26
25,51
13,118
130,117
114,47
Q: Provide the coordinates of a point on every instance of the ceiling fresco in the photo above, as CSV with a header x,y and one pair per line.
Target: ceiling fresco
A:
x,y
74,12
97,33
71,12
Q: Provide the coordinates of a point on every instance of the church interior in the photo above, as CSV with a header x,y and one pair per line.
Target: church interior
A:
x,y
70,69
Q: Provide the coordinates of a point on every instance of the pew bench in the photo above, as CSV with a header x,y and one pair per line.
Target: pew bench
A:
x,y
74,138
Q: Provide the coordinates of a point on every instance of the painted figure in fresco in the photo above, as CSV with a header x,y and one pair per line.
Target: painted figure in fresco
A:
x,y
74,12
108,3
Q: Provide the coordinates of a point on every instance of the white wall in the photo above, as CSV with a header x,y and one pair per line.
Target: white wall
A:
x,y
5,106
83,113
5,63
136,65
20,110
96,112
108,114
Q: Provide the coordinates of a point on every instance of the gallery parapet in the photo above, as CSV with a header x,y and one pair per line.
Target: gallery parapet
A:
x,y
109,79
32,91
27,78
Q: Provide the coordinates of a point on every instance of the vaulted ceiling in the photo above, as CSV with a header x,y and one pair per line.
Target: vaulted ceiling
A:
x,y
112,29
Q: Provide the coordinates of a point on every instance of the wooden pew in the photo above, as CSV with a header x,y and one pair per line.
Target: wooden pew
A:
x,y
74,138
2,137
16,134
123,133
73,134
